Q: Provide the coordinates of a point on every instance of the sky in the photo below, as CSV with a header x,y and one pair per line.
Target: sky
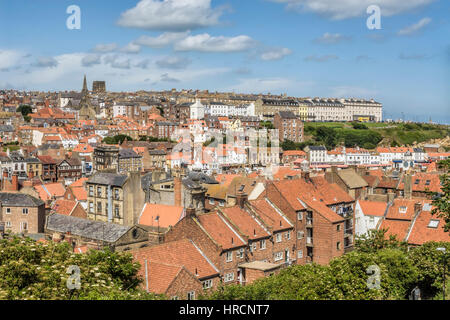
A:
x,y
303,48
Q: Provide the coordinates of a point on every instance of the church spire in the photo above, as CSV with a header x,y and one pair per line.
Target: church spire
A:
x,y
85,88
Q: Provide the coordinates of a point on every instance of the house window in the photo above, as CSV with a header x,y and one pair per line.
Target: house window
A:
x,y
91,191
288,235
278,237
207,284
99,191
91,207
241,253
25,211
279,256
402,209
338,227
338,246
99,207
300,234
23,226
191,295
211,201
229,256
8,224
8,210
262,244
299,254
116,194
116,211
229,277
222,203
300,216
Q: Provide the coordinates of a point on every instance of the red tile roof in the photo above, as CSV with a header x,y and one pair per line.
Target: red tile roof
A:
x,y
64,207
160,215
373,208
269,215
246,224
221,231
181,253
422,232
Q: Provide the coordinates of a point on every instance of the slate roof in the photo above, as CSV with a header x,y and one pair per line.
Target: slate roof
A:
x,y
128,153
19,200
107,179
96,230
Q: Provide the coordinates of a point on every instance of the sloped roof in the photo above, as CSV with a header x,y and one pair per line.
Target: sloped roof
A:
x,y
96,230
352,179
19,200
160,215
107,179
373,208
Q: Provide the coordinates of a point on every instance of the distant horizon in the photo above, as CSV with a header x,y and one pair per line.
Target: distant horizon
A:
x,y
315,48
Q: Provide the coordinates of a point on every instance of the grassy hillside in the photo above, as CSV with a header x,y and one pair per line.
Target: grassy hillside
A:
x,y
370,135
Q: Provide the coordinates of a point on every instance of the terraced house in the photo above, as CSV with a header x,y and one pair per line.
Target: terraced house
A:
x,y
115,198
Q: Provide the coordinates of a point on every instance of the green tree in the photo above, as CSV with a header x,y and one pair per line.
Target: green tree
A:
x,y
30,270
442,200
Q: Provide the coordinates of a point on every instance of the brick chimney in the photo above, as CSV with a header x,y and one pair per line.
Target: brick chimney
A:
x,y
190,212
417,207
177,190
407,186
15,182
241,199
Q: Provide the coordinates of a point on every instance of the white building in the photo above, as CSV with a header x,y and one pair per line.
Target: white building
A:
x,y
367,215
197,110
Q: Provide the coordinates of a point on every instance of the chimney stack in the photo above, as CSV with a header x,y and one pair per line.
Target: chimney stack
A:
x,y
241,199
408,186
417,207
15,182
190,212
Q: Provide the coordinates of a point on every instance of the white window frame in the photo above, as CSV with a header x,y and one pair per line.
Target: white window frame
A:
x,y
8,211
207,284
25,211
229,256
278,237
300,216
300,254
191,295
279,256
262,244
229,277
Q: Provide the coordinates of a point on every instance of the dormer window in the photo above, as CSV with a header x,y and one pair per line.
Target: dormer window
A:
x,y
402,209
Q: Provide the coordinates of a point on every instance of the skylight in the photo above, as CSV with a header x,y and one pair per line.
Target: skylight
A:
x,y
433,224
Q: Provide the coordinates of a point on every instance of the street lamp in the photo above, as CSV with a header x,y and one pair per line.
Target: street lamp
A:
x,y
443,250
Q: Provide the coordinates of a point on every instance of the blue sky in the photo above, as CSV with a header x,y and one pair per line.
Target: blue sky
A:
x,y
304,48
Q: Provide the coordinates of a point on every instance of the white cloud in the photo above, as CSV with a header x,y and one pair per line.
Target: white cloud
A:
x,y
131,48
46,62
173,62
344,9
104,48
415,27
275,54
274,85
9,58
171,15
166,78
90,60
161,41
68,75
331,38
206,43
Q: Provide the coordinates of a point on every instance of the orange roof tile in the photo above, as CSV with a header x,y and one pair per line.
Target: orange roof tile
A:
x,y
373,208
221,231
160,215
244,221
64,207
181,253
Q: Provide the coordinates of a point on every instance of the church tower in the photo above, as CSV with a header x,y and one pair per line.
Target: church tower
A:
x,y
86,112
